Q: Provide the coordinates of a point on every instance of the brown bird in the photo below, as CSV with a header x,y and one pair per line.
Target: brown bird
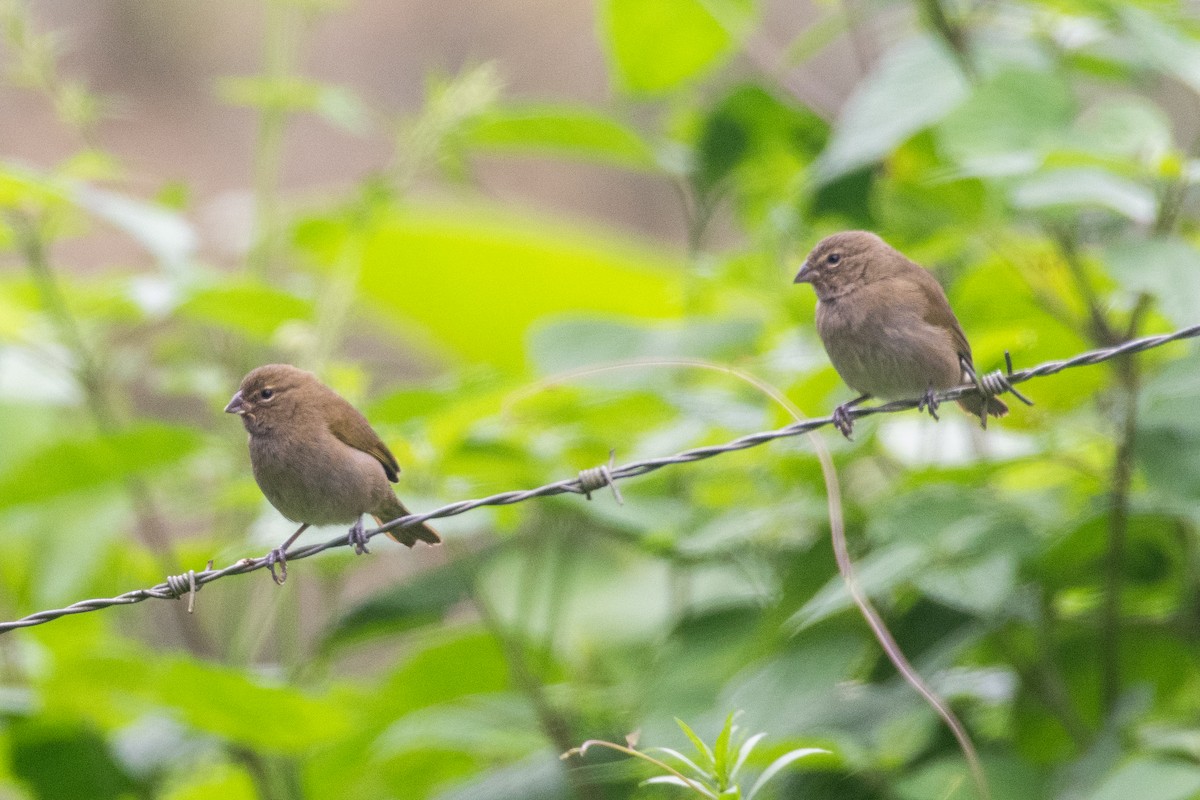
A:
x,y
887,327
317,459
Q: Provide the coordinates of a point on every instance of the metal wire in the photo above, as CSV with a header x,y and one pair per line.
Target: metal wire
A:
x,y
588,480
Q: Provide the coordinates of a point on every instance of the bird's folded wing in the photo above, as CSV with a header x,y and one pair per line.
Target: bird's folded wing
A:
x,y
353,429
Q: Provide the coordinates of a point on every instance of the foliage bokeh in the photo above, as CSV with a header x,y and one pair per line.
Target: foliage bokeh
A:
x,y
1043,576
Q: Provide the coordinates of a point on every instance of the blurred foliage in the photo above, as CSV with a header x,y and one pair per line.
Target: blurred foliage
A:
x,y
1044,576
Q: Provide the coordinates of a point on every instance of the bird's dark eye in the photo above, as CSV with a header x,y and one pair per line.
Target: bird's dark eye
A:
x,y
266,394
834,258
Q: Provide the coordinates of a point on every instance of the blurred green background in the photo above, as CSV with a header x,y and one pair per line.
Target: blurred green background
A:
x,y
452,212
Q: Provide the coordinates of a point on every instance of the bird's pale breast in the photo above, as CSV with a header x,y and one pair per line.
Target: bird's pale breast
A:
x,y
886,349
321,481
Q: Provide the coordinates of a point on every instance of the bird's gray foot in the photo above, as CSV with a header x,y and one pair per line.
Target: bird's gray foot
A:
x,y
277,556
358,538
930,402
842,419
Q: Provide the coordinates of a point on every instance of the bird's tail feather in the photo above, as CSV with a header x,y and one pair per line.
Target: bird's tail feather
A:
x,y
973,404
409,534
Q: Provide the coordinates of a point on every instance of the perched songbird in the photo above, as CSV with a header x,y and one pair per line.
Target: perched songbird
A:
x,y
887,326
317,459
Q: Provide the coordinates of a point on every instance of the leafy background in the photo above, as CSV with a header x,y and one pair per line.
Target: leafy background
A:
x,y
452,252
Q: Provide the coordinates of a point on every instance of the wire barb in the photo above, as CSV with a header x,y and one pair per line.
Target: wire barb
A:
x,y
597,478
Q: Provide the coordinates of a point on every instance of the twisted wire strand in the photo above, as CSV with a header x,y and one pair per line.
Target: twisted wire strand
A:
x,y
590,480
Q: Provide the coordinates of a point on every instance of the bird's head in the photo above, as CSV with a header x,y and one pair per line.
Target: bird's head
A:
x,y
272,394
843,261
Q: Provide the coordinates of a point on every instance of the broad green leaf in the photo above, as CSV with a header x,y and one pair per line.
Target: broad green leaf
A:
x,y
66,761
1008,120
79,463
1126,127
569,131
1087,188
224,781
424,598
1151,779
915,85
21,187
447,666
1167,47
1168,441
163,233
947,778
248,307
756,143
657,45
574,343
476,280
540,777
1167,268
240,709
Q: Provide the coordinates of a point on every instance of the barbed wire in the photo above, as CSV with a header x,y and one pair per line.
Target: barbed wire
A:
x,y
590,480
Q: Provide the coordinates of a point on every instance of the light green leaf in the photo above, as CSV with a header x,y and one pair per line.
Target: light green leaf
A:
x,y
568,131
1151,779
252,308
708,760
165,234
240,709
79,463
780,764
1007,121
1088,188
1166,267
916,84
572,343
475,280
1162,45
656,45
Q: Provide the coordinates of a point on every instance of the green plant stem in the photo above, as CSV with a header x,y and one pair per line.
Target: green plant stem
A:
x,y
554,725
267,782
1046,678
1128,376
91,375
952,33
282,46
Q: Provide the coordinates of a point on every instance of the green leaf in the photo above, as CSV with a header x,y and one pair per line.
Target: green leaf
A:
x,y
707,759
476,280
1151,779
454,664
573,343
424,598
657,45
79,463
568,131
238,708
65,762
1087,187
760,141
721,759
163,233
1167,267
916,84
1007,121
780,764
1163,45
248,307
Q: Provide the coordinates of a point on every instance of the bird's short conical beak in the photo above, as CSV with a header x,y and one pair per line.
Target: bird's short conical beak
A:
x,y
804,275
236,405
